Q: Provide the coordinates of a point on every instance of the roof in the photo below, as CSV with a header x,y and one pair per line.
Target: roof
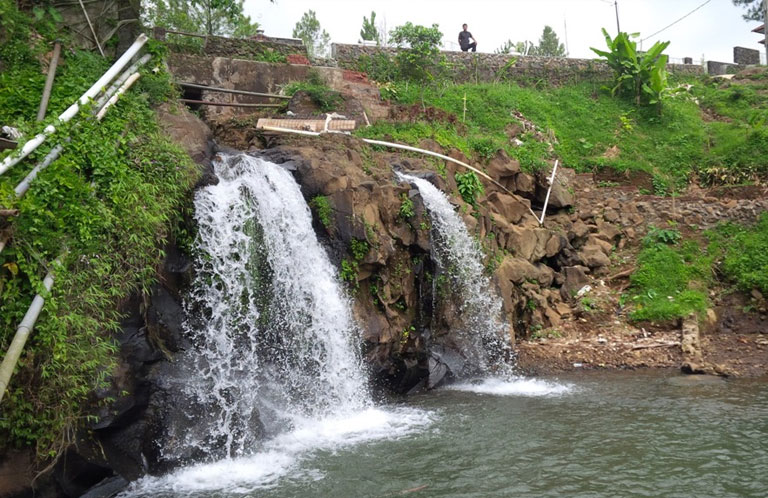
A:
x,y
760,29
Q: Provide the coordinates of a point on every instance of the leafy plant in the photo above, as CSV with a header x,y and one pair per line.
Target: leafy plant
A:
x,y
323,209
406,207
315,38
639,76
326,99
469,186
657,235
359,249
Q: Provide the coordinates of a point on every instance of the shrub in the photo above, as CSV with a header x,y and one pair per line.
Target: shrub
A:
x,y
322,207
469,186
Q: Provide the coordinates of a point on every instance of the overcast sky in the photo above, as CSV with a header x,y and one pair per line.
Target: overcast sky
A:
x,y
710,32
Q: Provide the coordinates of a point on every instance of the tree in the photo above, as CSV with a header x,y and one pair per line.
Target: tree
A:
x,y
420,61
549,44
370,32
754,8
211,17
314,37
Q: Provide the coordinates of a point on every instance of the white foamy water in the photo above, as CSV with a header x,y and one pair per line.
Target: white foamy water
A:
x,y
286,455
460,257
276,372
512,387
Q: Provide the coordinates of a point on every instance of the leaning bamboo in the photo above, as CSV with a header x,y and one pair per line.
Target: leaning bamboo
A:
x,y
230,90
68,114
49,81
22,333
227,104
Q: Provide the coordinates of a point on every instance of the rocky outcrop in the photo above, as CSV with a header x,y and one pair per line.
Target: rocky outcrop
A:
x,y
400,301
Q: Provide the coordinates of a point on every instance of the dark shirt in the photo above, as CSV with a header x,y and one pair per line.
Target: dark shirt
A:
x,y
464,37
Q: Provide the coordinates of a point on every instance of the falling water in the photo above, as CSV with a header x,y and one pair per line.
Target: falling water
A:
x,y
460,257
275,373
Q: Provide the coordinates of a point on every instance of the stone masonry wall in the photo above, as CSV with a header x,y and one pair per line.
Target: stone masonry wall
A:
x,y
482,67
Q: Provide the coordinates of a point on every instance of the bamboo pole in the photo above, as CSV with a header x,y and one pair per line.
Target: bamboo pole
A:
x,y
22,333
226,104
230,90
49,81
93,31
72,110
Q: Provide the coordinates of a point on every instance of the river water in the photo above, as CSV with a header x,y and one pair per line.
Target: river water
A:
x,y
594,434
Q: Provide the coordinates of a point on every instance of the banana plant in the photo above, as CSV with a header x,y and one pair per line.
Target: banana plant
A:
x,y
642,76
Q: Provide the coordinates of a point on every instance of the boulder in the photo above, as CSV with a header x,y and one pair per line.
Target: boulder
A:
x,y
510,208
525,184
592,255
574,278
502,166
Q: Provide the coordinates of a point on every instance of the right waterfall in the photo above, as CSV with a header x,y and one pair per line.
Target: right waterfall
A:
x,y
482,340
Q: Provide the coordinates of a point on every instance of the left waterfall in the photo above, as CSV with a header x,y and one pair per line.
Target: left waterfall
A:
x,y
272,328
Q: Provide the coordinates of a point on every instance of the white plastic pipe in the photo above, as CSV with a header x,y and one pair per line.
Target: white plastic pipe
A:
x,y
549,191
65,116
120,80
403,147
125,86
22,333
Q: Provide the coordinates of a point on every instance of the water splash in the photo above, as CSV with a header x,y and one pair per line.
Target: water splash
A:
x,y
460,257
274,335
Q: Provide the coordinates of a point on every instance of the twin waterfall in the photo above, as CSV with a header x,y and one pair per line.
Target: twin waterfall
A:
x,y
275,374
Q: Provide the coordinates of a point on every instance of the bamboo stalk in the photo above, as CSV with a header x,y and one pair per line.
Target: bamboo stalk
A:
x,y
93,31
22,333
230,90
49,81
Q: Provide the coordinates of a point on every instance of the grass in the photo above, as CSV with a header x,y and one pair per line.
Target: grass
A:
x,y
585,120
673,276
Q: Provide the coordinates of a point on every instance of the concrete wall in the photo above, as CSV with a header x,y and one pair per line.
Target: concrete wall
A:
x,y
482,67
746,56
263,77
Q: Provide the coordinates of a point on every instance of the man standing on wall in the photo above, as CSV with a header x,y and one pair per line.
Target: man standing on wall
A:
x,y
464,38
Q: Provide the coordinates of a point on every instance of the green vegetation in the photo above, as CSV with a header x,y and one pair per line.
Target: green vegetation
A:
x,y
314,37
369,31
211,17
110,203
326,99
406,211
642,77
744,253
670,281
469,186
323,210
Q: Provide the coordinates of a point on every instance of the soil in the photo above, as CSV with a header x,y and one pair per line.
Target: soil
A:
x,y
735,343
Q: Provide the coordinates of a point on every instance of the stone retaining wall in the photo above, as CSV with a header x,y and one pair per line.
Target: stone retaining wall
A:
x,y
261,48
482,67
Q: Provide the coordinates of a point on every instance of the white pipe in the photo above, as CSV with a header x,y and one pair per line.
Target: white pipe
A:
x,y
23,186
404,147
65,116
130,81
120,80
22,333
549,191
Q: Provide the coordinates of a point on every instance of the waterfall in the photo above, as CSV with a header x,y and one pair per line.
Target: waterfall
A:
x,y
275,375
272,328
459,256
